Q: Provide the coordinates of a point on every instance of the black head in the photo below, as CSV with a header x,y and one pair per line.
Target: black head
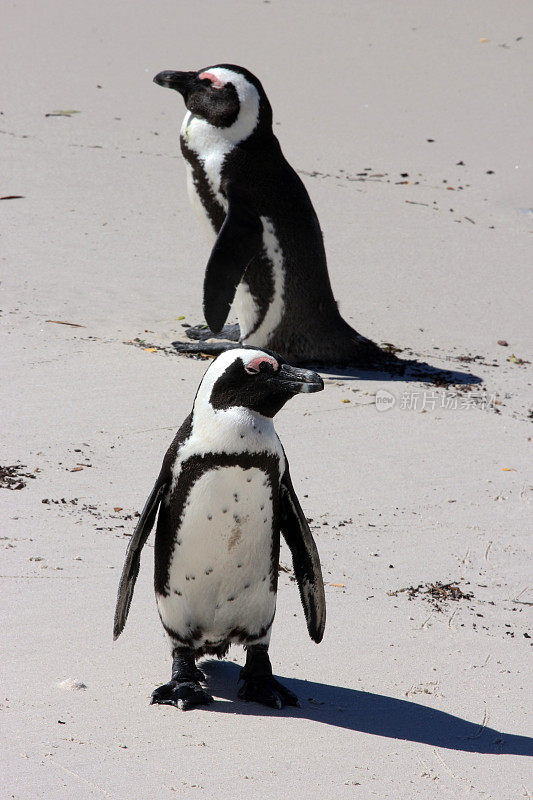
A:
x,y
222,95
255,379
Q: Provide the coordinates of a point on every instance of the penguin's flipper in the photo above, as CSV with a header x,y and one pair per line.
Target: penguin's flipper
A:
x,y
130,569
142,530
239,240
305,558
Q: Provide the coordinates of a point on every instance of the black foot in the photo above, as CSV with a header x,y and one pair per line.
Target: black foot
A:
x,y
202,332
259,684
183,690
182,694
207,348
267,691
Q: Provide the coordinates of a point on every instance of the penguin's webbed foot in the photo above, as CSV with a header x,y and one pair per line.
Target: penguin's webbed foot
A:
x,y
202,332
265,689
181,694
204,348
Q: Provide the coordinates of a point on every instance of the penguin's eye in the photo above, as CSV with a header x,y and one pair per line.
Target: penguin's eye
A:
x,y
209,78
258,364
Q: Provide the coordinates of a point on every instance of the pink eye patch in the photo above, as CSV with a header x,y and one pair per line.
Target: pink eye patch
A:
x,y
253,366
216,83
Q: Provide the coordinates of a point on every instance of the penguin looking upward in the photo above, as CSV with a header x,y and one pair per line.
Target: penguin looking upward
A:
x,y
268,258
224,493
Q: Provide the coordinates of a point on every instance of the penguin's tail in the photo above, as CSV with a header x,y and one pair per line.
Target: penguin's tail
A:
x,y
352,349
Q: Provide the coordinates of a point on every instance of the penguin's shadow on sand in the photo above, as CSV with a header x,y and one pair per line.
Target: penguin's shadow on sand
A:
x,y
393,368
405,370
367,713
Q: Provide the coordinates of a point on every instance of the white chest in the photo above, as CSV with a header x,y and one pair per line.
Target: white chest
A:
x,y
210,147
220,570
227,521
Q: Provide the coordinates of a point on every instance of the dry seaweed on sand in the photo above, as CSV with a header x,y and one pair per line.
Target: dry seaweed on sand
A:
x,y
148,347
11,477
434,593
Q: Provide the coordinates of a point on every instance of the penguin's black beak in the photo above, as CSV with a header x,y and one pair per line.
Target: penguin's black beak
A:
x,y
298,380
182,82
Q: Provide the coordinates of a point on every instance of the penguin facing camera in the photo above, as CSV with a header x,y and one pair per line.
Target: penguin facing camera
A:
x,y
224,494
268,259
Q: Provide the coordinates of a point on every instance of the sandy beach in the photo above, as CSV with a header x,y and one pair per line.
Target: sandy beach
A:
x,y
410,127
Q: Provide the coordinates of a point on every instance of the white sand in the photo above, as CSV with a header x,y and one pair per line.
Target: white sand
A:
x,y
400,701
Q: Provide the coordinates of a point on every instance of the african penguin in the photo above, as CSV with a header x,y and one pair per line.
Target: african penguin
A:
x,y
268,258
224,493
